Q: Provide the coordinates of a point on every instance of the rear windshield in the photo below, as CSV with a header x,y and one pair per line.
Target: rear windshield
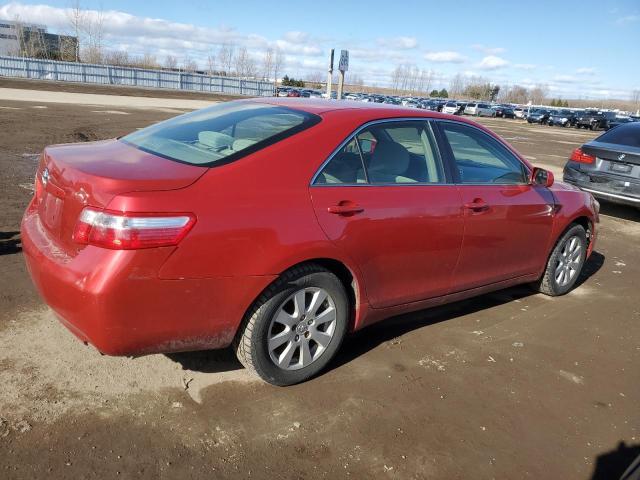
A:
x,y
221,133
626,134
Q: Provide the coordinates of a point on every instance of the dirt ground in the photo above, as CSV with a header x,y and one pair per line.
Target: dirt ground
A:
x,y
509,385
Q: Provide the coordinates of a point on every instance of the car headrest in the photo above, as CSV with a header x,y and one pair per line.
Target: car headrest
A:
x,y
389,158
215,139
242,143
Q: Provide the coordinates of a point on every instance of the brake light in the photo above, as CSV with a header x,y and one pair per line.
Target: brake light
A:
x,y
126,231
579,156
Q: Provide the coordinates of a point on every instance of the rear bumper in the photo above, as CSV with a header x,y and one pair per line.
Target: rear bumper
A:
x,y
613,188
115,300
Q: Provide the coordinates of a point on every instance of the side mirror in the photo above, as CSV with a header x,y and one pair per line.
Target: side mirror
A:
x,y
540,176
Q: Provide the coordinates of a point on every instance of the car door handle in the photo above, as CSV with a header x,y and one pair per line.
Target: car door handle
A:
x,y
478,205
345,209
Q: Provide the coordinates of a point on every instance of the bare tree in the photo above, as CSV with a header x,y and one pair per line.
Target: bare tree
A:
x,y
118,57
515,94
94,34
225,57
148,61
457,85
267,63
635,98
538,94
171,62
245,64
211,64
278,64
77,18
188,64
356,80
395,78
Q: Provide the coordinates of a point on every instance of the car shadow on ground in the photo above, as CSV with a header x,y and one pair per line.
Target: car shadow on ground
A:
x,y
612,464
215,361
624,212
369,338
10,242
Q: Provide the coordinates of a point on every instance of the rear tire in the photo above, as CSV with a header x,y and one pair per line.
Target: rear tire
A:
x,y
565,263
289,334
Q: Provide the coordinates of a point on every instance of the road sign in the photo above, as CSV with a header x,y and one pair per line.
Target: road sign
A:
x,y
331,61
343,66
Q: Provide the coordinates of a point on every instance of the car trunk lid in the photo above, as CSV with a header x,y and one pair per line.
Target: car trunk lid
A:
x,y
73,176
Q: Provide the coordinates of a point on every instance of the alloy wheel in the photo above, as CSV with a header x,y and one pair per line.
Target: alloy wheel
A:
x,y
568,261
302,328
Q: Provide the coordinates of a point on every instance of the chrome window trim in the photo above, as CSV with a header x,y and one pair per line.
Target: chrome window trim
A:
x,y
504,145
355,133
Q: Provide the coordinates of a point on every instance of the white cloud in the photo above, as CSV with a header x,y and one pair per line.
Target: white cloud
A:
x,y
492,62
628,19
296,37
565,79
525,66
488,50
445,57
586,71
401,43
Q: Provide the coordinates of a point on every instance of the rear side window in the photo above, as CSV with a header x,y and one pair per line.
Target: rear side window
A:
x,y
387,153
626,134
221,133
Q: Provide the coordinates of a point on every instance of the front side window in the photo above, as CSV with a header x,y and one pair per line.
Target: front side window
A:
x,y
480,158
220,133
386,153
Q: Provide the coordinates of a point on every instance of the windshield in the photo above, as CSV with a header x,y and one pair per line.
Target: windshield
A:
x,y
221,133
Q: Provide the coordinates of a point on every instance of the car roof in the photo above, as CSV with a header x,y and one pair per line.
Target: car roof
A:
x,y
321,106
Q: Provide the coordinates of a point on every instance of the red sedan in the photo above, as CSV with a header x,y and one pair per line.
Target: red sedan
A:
x,y
280,225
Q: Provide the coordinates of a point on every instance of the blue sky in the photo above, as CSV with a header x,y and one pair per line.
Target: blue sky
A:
x,y
583,48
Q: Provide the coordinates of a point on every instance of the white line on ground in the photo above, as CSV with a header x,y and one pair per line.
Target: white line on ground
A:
x,y
98,100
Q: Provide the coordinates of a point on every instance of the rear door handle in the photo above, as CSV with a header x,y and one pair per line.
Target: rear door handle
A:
x,y
345,209
478,205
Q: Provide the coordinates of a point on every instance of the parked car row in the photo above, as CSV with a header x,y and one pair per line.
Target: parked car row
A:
x,y
590,118
298,92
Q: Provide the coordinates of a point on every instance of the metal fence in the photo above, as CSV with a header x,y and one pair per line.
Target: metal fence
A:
x,y
135,77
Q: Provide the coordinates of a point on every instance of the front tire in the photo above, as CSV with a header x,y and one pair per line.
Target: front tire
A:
x,y
296,326
565,263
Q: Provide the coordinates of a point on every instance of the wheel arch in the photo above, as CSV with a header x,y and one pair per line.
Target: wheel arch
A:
x,y
580,219
587,224
348,278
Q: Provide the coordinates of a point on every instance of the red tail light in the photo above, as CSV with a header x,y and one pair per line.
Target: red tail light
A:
x,y
579,156
126,231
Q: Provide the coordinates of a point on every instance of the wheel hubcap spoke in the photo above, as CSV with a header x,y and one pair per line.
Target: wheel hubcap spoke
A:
x,y
328,315
316,301
305,354
322,338
285,357
279,339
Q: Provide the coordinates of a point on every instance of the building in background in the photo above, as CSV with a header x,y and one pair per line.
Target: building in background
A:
x,y
33,40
